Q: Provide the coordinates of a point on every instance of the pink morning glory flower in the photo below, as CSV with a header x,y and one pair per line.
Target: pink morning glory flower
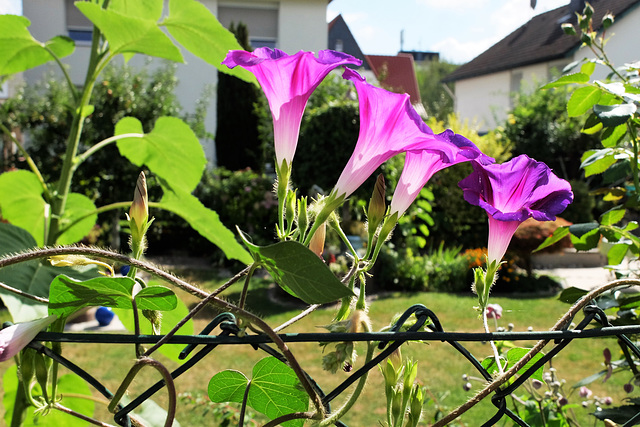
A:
x,y
287,82
16,337
421,165
494,311
389,125
511,192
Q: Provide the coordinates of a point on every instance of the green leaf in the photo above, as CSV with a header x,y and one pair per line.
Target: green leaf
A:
x,y
612,135
571,295
157,298
617,253
300,272
32,277
19,51
598,161
612,216
557,235
582,100
128,34
205,37
78,205
516,354
585,236
149,10
588,68
67,295
70,388
614,115
592,125
274,390
204,221
169,320
171,151
21,202
567,80
227,386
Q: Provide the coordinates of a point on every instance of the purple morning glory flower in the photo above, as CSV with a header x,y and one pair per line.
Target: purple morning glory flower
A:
x,y
511,192
287,82
388,125
421,165
16,337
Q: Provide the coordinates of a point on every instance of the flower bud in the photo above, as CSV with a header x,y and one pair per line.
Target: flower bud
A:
x,y
291,206
303,218
608,400
139,210
587,38
607,20
585,392
467,386
377,205
628,387
607,356
588,10
536,384
568,29
317,241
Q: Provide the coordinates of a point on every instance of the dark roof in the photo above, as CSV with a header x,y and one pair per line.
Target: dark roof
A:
x,y
396,74
539,40
339,31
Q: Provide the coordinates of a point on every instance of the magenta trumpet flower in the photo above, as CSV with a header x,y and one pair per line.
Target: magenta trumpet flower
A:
x,y
511,192
388,125
16,337
287,82
421,165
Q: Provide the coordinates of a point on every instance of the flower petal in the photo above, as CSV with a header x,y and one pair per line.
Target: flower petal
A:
x,y
15,337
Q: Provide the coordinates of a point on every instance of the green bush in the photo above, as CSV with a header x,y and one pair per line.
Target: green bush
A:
x,y
443,270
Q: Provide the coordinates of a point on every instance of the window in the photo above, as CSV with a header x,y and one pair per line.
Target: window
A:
x,y
261,21
79,28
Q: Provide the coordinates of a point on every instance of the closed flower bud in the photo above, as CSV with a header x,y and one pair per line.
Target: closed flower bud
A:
x,y
139,210
317,241
607,20
568,29
377,205
585,392
628,387
587,38
536,384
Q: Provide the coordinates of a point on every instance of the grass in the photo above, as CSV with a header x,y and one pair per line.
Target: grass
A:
x,y
440,367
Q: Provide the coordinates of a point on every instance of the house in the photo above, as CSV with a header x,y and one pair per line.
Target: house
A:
x,y
394,73
290,25
532,54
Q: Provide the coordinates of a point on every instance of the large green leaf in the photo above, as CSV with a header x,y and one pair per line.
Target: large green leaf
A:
x,y
130,34
300,272
150,10
582,100
21,202
73,390
32,277
169,320
78,205
67,295
205,37
19,51
274,389
204,221
597,161
612,135
613,216
171,151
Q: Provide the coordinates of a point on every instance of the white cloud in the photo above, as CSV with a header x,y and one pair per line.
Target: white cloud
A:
x,y
10,7
456,51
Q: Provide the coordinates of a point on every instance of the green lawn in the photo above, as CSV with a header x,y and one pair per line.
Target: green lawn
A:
x,y
440,367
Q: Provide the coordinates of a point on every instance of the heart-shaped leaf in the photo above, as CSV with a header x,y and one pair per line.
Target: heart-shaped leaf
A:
x,y
274,389
299,271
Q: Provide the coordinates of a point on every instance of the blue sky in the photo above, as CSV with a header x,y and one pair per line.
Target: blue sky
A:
x,y
458,29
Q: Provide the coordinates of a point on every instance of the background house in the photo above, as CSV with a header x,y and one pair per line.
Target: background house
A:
x,y
529,56
290,25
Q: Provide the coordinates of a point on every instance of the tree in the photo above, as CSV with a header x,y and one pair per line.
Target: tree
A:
x,y
237,142
437,100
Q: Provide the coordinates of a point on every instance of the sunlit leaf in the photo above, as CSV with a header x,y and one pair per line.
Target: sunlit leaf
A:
x,y
516,354
21,202
567,80
78,206
299,271
582,100
614,115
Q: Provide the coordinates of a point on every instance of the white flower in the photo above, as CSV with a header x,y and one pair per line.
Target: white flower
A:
x,y
15,337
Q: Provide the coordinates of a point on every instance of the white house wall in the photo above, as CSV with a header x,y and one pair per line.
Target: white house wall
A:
x,y
302,26
479,99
